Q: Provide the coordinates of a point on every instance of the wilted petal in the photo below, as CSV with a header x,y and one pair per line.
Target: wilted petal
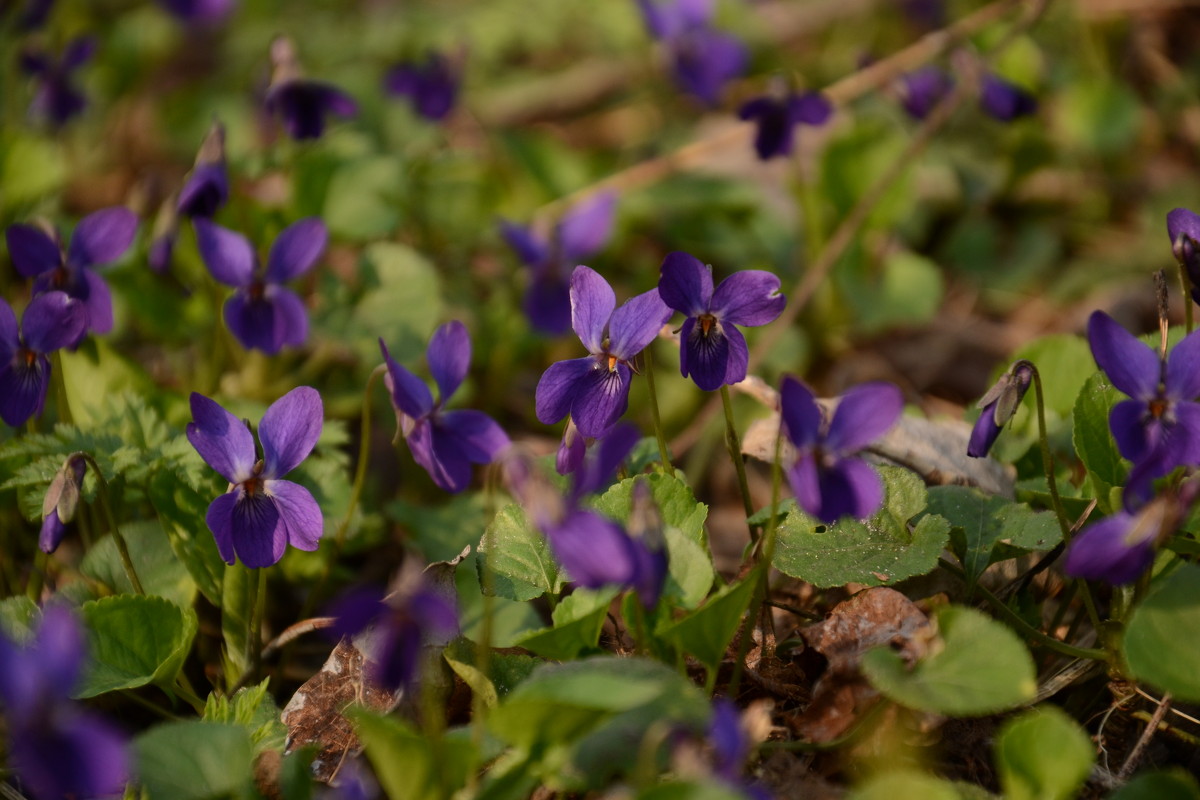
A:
x,y
254,322
685,284
296,250
409,393
477,435
1101,552
800,412
635,324
449,357
1131,365
102,237
592,304
602,398
219,519
221,439
749,297
260,535
32,251
529,247
585,228
53,321
558,387
290,429
864,413
228,255
300,513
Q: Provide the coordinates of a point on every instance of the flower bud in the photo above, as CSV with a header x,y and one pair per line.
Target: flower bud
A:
x,y
998,407
62,499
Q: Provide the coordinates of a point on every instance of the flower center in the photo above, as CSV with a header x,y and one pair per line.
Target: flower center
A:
x,y
256,290
59,279
254,484
707,323
28,356
1158,407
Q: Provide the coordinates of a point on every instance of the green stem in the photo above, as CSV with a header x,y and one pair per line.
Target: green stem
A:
x,y
739,463
1047,458
1187,298
648,370
33,589
256,603
118,538
183,688
60,388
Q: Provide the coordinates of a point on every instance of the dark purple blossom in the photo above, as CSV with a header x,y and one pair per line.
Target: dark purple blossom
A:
x,y
703,60
56,98
260,514
594,389
33,14
57,748
711,349
62,498
732,745
430,85
829,482
206,189
99,238
1159,428
777,118
1183,226
199,12
927,14
1005,100
51,321
998,406
445,443
300,103
581,232
922,89
263,313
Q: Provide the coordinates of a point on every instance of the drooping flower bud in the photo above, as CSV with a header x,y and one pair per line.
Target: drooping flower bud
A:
x,y
998,407
62,499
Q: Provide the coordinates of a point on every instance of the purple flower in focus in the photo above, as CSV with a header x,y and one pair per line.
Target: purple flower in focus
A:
x,y
51,321
1159,428
99,238
777,118
56,99
1005,100
582,231
1183,226
300,103
445,443
829,482
922,89
57,749
594,389
263,313
431,86
62,498
260,514
998,406
200,12
711,349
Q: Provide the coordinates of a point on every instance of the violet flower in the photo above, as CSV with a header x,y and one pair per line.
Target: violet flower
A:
x,y
51,321
777,118
56,99
922,89
445,443
260,514
263,314
99,238
829,482
666,19
206,189
711,348
198,12
1159,428
582,231
1005,100
998,406
61,501
594,389
702,59
431,85
571,450
57,748
300,103
1183,226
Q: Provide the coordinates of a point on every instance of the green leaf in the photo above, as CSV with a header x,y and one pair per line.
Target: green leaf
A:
x,y
181,510
195,760
1043,754
1172,784
908,292
1065,363
881,550
18,618
134,640
981,521
1161,645
254,708
360,204
235,626
405,761
520,559
707,790
33,166
977,667
440,532
905,785
160,572
505,671
1094,442
577,623
706,632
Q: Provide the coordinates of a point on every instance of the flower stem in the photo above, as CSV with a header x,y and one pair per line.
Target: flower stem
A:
x,y
663,454
739,463
1187,298
1047,458
60,388
256,601
118,539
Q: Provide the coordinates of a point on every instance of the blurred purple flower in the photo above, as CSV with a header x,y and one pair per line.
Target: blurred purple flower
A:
x,y
99,238
711,348
33,14
57,749
200,12
1005,100
62,498
263,314
928,14
704,60
260,514
55,98
445,443
582,231
829,482
998,406
777,118
732,746
1159,428
594,389
51,321
300,103
1183,226
206,189
666,19
431,85
922,89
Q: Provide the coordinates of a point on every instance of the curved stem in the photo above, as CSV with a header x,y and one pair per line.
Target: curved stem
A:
x,y
663,453
1047,458
118,539
735,453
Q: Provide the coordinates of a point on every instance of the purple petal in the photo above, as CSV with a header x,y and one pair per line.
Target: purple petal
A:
x,y
300,513
800,412
71,754
221,439
228,255
291,317
685,284
1131,365
865,413
23,388
922,89
303,104
635,324
477,435
260,535
558,387
1101,552
1128,429
161,252
10,337
812,108
1183,369
585,228
396,658
571,450
739,356
439,454
449,357
296,250
53,321
548,305
409,393
749,297
855,481
806,483
198,11
357,609
608,454
704,60
102,237
78,52
592,304
985,432
97,303
1180,222
52,532
205,191
290,429
61,649
254,322
775,134
705,356
1004,100
602,398
730,744
219,519
529,247
32,251
593,550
